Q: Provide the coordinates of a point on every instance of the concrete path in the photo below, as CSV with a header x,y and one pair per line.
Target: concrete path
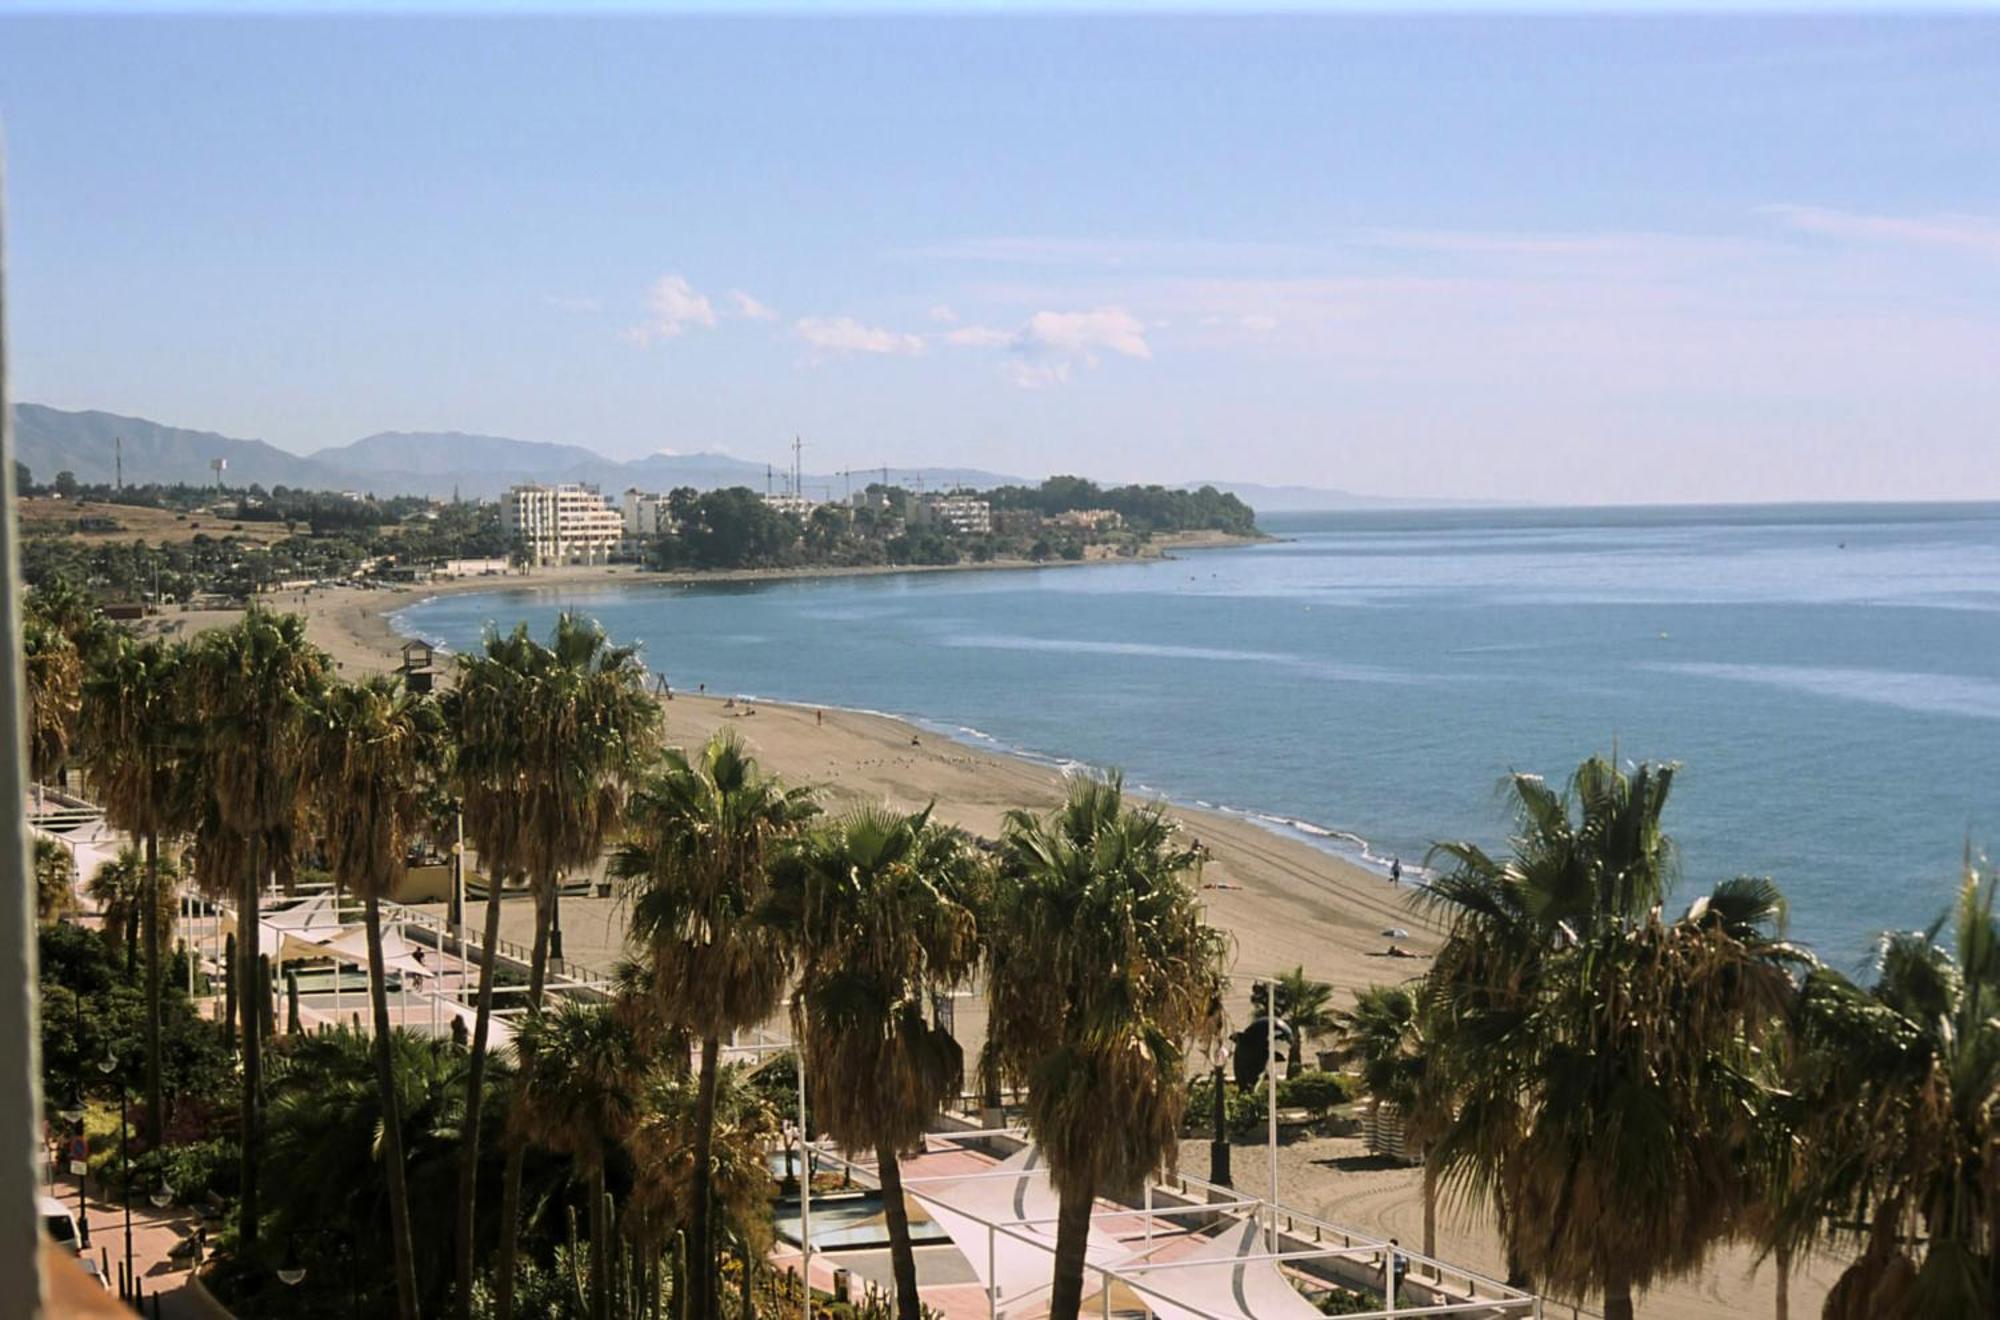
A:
x,y
155,1233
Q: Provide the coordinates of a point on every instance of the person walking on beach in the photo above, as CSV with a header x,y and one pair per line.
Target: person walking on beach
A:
x,y
819,718
1395,870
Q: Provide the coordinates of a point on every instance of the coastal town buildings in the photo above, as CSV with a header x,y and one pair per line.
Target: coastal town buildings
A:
x,y
967,515
561,524
1087,520
648,517
788,503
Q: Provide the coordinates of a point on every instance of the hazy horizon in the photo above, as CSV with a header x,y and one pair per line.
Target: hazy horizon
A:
x,y
1556,261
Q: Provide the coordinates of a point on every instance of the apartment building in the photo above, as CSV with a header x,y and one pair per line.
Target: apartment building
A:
x,y
968,515
647,519
561,524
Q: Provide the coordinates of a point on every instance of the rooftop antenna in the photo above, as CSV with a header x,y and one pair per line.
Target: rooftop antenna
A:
x,y
767,481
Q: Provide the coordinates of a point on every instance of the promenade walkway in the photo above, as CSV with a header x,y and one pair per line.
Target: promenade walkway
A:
x,y
156,1233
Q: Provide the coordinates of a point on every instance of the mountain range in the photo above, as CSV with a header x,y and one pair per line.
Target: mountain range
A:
x,y
441,464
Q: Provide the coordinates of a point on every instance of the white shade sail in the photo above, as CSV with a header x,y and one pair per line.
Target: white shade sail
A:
x,y
1003,1221
1225,1286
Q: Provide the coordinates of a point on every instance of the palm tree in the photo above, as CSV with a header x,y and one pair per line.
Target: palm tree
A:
x,y
661,1143
548,739
130,901
1600,1060
579,1085
326,1130
249,687
1305,1005
371,745
54,674
55,879
1561,878
700,836
1383,1038
1101,973
880,909
1893,1126
136,737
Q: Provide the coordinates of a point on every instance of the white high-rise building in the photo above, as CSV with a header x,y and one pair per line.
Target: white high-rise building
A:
x,y
647,519
561,524
968,515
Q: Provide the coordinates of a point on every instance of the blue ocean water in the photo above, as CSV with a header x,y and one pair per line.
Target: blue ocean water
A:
x,y
1829,677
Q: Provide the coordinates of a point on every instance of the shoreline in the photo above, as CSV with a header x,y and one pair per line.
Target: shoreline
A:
x,y
1281,899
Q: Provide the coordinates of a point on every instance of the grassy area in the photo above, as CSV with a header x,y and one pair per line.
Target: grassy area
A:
x,y
92,521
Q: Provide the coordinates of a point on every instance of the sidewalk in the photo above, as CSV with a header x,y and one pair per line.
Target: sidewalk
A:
x,y
155,1233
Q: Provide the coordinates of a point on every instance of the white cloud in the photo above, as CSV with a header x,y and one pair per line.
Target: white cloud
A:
x,y
978,336
943,314
1038,375
1085,334
673,306
844,334
1258,324
749,309
1950,229
1049,346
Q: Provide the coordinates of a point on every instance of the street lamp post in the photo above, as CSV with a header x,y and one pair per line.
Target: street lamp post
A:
x,y
107,1066
74,1114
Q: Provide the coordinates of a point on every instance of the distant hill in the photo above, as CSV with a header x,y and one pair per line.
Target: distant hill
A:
x,y
86,443
435,463
446,453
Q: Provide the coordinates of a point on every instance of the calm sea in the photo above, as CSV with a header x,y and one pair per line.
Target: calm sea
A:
x,y
1829,677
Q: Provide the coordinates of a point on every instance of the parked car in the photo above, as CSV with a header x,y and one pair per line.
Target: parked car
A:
x,y
60,1225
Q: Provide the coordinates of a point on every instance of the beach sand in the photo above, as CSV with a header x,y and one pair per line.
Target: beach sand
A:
x,y
1282,901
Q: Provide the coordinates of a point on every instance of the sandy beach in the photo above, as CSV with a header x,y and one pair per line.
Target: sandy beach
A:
x,y
1282,901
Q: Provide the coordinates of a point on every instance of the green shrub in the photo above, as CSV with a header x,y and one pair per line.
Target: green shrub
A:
x,y
1319,1093
1244,1112
194,1170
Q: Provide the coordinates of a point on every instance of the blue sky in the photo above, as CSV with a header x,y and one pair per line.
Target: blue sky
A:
x,y
1559,259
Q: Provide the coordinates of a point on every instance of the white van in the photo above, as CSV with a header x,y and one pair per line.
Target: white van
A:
x,y
60,1225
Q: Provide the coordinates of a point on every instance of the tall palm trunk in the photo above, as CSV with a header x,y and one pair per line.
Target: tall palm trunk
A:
x,y
392,1119
701,1245
249,985
902,1257
600,1246
517,1149
1430,1209
229,995
155,1105
1072,1240
1618,1297
475,1082
1783,1300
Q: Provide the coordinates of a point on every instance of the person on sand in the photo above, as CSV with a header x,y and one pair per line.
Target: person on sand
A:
x,y
819,718
1395,870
